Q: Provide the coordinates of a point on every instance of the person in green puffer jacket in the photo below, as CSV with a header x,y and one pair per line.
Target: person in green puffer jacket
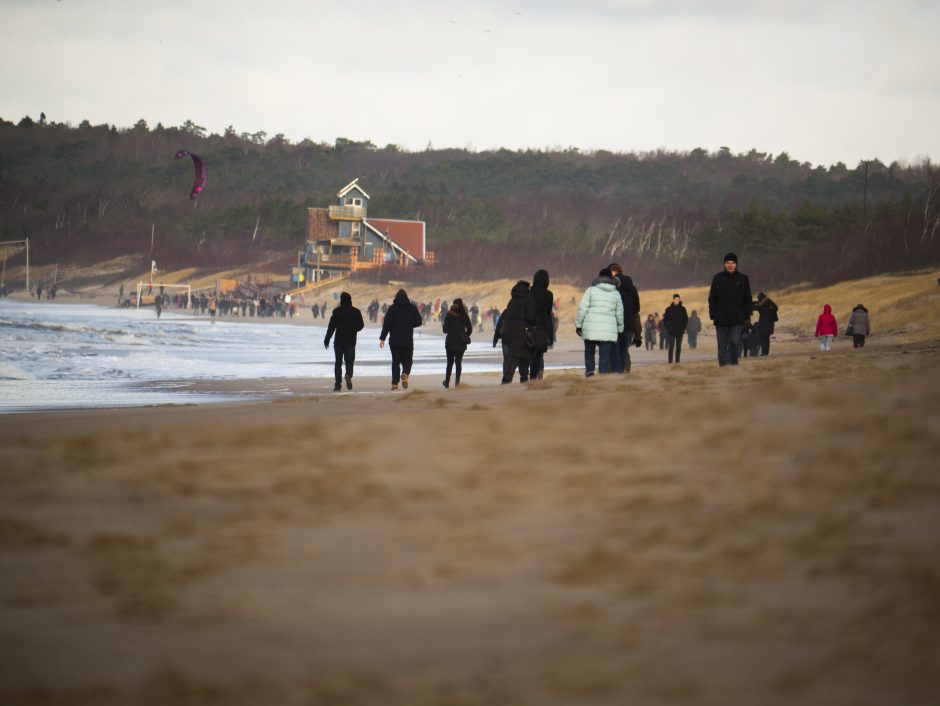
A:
x,y
599,321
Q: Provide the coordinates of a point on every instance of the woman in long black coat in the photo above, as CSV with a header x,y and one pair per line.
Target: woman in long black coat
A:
x,y
544,303
458,328
518,315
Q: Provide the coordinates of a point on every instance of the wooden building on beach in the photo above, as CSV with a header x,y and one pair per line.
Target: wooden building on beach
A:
x,y
342,238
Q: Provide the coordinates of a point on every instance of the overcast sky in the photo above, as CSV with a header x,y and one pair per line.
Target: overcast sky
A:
x,y
826,81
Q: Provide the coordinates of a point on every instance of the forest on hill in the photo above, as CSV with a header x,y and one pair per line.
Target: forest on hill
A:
x,y
91,192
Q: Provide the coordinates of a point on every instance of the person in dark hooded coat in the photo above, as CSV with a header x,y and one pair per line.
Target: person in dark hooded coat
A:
x,y
766,319
518,315
458,329
544,301
346,322
632,330
860,325
400,321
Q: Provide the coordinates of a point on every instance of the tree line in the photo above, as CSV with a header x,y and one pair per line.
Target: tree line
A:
x,y
87,192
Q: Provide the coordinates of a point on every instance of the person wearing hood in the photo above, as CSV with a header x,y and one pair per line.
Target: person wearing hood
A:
x,y
457,329
599,321
544,301
346,322
826,328
767,317
649,329
518,315
693,329
400,321
729,308
675,319
632,331
860,325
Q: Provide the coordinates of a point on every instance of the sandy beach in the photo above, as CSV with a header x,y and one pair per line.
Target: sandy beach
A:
x,y
688,534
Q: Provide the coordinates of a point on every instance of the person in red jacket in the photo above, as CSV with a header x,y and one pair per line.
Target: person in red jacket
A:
x,y
826,328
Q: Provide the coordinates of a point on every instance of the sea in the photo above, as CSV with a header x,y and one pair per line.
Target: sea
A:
x,y
79,356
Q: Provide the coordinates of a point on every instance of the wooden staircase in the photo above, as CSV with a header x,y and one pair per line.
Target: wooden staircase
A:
x,y
322,284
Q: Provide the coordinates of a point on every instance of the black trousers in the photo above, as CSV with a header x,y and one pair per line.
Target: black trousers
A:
x,y
510,364
675,344
347,354
536,364
858,341
765,344
401,361
454,360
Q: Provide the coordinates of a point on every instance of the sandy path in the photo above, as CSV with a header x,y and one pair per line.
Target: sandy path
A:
x,y
765,534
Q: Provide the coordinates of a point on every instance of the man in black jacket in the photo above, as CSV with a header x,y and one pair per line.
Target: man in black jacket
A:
x,y
401,319
729,307
632,331
675,320
767,317
346,322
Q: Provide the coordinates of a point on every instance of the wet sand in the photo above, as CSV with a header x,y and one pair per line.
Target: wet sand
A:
x,y
765,534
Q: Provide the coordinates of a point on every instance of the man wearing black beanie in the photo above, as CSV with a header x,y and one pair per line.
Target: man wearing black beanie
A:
x,y
729,308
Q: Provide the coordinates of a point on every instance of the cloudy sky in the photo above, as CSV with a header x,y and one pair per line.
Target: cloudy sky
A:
x,y
824,80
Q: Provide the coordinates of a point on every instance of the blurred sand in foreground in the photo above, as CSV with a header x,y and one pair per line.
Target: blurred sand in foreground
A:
x,y
766,534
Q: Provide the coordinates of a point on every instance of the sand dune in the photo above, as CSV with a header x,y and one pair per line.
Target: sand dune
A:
x,y
684,535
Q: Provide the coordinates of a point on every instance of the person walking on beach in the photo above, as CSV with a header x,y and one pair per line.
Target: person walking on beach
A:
x,y
346,322
766,318
632,333
649,330
400,322
675,321
544,300
457,329
729,308
860,325
826,328
693,329
599,321
661,331
518,315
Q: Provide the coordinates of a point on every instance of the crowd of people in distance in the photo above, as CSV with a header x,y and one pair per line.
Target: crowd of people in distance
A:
x,y
607,321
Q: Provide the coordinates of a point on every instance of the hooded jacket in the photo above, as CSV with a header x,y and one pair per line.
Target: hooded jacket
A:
x,y
729,299
694,326
400,321
826,323
544,301
518,315
767,316
859,321
631,302
600,314
676,319
346,322
458,329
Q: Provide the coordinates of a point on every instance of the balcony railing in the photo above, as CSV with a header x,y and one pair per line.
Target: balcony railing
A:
x,y
347,213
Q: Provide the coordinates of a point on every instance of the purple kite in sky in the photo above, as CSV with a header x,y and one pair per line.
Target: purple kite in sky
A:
x,y
199,183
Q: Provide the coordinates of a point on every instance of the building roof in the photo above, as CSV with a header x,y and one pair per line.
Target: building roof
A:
x,y
410,235
350,186
395,245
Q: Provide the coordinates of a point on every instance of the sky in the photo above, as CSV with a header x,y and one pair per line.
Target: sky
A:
x,y
825,81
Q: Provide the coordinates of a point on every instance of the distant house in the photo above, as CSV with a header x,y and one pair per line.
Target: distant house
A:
x,y
342,238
